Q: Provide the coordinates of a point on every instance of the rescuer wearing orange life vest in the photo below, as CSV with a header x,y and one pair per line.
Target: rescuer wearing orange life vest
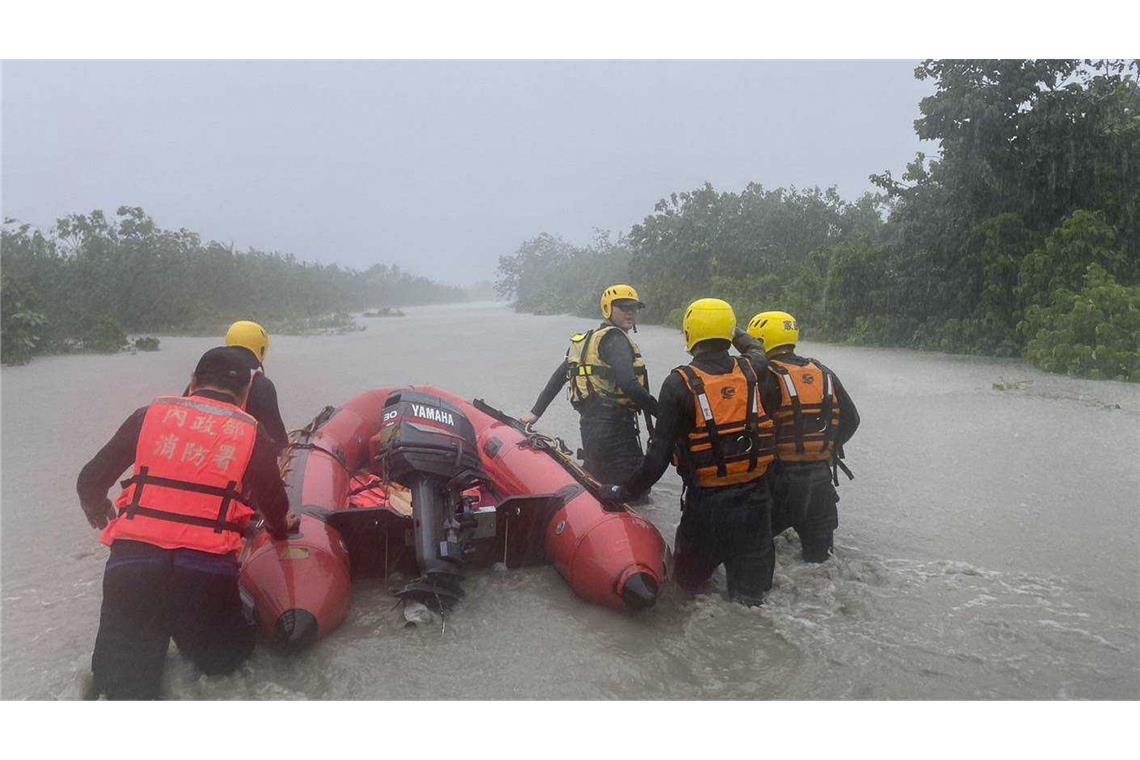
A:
x,y
712,422
814,419
201,467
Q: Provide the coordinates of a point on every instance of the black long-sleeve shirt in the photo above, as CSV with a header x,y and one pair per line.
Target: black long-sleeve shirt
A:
x,y
615,352
677,412
262,404
262,478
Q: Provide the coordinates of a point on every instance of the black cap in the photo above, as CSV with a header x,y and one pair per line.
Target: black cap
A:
x,y
223,362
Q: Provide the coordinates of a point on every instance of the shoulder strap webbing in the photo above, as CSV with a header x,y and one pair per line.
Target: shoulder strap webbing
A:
x,y
697,386
143,478
827,409
797,408
750,425
583,369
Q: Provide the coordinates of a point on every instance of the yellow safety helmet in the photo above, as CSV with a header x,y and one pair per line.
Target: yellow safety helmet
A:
x,y
775,328
708,318
249,335
617,293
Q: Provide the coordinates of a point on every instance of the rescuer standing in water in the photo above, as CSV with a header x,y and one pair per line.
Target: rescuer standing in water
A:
x,y
814,419
262,403
609,385
201,468
714,425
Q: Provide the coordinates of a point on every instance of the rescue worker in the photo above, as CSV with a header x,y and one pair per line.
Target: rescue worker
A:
x,y
262,402
713,424
201,467
609,385
814,420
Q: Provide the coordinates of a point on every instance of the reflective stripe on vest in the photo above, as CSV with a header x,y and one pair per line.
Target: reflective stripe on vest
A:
x,y
733,440
808,417
186,488
591,377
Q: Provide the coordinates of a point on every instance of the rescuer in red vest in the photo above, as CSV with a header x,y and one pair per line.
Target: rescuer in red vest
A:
x,y
815,418
713,423
202,466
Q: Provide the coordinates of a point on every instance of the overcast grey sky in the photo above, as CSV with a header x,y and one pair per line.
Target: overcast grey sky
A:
x,y
439,167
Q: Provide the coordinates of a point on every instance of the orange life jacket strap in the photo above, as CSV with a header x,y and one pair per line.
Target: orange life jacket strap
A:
x,y
697,386
228,494
750,419
201,522
797,409
825,411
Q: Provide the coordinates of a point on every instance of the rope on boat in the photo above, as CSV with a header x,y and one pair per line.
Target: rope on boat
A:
x,y
314,447
552,445
543,442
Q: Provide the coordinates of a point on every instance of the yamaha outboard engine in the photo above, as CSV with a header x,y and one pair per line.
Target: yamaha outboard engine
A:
x,y
429,447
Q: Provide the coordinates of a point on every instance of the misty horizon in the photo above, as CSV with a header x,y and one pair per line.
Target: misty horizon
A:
x,y
437,167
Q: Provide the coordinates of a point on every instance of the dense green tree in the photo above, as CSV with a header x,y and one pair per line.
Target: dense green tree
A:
x,y
93,279
1094,331
1035,180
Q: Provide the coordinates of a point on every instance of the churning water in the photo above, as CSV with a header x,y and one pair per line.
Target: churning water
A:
x,y
988,548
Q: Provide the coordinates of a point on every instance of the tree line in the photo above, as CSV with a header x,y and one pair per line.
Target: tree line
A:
x,y
1020,238
91,280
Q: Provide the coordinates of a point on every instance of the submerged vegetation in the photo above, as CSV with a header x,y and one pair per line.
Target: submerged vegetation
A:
x,y
1021,238
92,280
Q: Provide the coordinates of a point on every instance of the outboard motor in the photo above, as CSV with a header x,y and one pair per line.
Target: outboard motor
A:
x,y
426,445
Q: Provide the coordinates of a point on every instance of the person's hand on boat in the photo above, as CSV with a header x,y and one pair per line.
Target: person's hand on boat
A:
x,y
101,515
292,525
293,522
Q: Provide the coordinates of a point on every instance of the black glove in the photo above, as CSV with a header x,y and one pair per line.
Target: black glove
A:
x,y
743,342
99,515
613,498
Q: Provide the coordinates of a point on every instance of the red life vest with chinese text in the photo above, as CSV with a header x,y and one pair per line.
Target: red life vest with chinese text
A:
x,y
186,489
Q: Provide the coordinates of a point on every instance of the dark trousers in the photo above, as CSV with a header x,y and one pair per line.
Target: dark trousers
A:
x,y
152,594
611,446
805,499
730,526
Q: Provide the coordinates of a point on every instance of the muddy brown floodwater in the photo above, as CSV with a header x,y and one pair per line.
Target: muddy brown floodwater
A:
x,y
989,547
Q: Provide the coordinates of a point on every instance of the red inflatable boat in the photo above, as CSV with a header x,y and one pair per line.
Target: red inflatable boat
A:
x,y
419,482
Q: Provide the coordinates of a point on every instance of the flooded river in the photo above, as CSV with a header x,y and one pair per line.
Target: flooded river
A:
x,y
989,547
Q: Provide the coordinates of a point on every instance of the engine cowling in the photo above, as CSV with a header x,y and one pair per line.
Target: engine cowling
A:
x,y
430,447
